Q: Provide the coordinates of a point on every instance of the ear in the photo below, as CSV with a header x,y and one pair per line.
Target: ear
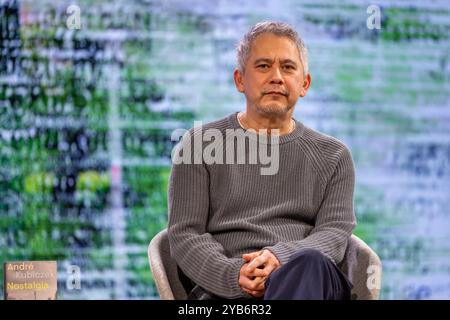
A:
x,y
238,81
305,85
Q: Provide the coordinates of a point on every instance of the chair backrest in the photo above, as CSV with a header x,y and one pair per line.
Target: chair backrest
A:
x,y
360,262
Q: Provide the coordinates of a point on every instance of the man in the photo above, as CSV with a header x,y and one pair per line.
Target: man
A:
x,y
236,233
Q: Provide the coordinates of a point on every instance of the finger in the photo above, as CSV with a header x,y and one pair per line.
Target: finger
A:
x,y
269,268
260,284
264,273
246,283
257,262
255,289
247,257
271,257
258,272
252,284
252,275
260,287
256,294
257,284
251,255
272,262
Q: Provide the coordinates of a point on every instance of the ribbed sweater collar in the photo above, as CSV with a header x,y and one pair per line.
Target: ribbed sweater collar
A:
x,y
297,133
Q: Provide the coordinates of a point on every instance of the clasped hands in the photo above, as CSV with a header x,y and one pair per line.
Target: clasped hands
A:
x,y
253,274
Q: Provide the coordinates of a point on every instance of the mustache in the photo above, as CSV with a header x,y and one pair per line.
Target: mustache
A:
x,y
283,92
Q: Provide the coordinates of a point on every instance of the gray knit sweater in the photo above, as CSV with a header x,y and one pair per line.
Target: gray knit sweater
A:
x,y
217,212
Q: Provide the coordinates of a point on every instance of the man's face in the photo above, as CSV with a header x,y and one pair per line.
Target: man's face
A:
x,y
273,79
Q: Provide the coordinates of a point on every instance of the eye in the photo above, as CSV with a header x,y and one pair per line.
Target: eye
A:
x,y
263,66
289,67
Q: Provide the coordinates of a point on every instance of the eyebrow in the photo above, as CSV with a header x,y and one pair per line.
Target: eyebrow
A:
x,y
268,60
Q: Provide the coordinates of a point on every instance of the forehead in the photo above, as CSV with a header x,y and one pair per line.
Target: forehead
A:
x,y
269,45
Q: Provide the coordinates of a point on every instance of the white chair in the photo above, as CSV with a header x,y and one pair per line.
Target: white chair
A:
x,y
357,260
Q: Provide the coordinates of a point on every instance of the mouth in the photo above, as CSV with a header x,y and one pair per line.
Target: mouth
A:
x,y
275,93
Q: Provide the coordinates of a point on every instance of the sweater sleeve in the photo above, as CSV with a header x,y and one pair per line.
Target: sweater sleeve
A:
x,y
196,252
335,218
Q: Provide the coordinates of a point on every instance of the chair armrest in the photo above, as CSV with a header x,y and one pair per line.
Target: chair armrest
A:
x,y
157,266
363,268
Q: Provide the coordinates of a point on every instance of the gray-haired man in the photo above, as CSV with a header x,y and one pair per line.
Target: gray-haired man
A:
x,y
236,233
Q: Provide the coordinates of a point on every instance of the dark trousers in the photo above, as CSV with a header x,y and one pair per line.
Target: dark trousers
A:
x,y
308,275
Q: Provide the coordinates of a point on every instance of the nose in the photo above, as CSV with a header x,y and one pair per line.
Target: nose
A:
x,y
276,77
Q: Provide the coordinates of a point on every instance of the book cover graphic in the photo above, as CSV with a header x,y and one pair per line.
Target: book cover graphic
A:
x,y
30,280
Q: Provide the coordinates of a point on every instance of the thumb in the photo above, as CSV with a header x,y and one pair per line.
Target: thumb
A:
x,y
247,257
251,255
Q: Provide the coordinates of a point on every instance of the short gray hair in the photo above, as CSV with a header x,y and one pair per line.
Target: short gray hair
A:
x,y
277,28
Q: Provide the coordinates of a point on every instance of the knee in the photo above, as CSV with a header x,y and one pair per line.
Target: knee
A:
x,y
311,255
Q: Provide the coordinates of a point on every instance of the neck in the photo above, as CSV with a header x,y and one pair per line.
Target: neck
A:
x,y
257,122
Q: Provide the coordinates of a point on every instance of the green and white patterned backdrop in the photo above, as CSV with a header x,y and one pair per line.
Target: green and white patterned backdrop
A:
x,y
86,117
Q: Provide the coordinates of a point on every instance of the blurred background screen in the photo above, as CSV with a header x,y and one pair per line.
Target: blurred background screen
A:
x,y
87,112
